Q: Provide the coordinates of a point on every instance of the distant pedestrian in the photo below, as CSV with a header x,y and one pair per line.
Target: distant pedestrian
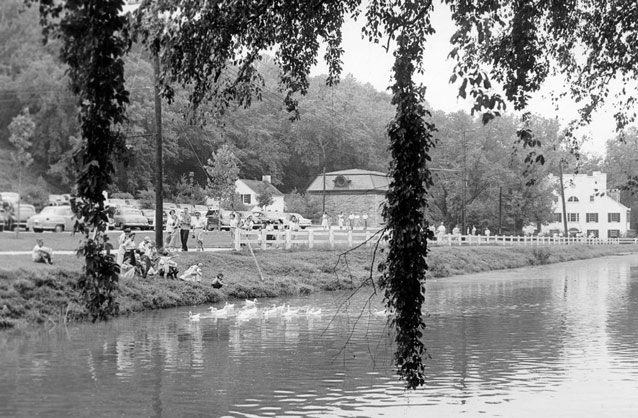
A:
x,y
199,224
184,228
487,232
341,220
365,220
324,221
440,231
121,251
473,230
456,230
351,221
171,226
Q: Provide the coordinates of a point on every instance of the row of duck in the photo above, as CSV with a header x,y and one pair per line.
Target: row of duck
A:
x,y
250,309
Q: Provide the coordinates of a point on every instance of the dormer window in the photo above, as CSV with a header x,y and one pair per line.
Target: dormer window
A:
x,y
341,181
572,199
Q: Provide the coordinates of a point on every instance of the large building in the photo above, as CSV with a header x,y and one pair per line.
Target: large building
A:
x,y
592,210
357,191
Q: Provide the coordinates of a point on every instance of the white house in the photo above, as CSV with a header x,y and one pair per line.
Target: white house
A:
x,y
591,209
249,190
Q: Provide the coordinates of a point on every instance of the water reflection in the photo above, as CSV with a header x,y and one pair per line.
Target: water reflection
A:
x,y
548,341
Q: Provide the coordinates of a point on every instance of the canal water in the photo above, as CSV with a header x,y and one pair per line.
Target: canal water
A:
x,y
559,341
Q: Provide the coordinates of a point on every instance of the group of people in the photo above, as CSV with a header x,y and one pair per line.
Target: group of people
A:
x,y
442,230
181,227
351,222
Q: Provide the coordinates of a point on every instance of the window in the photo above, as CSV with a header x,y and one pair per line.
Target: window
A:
x,y
613,217
591,198
591,217
572,199
592,233
572,217
613,233
557,217
245,199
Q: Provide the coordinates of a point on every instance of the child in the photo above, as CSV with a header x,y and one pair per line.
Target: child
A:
x,y
41,254
217,282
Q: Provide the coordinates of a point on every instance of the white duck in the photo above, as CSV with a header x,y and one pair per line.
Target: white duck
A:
x,y
313,312
193,317
250,303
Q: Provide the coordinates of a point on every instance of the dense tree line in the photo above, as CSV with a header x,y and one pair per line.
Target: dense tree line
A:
x,y
340,127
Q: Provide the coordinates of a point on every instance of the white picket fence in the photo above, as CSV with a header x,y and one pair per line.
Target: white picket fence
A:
x,y
333,238
450,239
308,238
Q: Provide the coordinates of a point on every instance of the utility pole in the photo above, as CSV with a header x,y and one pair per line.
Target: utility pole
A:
x,y
562,195
463,231
159,173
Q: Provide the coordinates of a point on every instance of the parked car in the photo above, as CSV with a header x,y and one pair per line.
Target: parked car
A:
x,y
25,211
212,220
52,218
131,218
5,220
149,214
303,222
10,197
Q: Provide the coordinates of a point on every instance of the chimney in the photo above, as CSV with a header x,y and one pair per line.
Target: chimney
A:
x,y
265,179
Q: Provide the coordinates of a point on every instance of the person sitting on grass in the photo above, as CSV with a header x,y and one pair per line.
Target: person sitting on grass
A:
x,y
41,254
193,273
217,281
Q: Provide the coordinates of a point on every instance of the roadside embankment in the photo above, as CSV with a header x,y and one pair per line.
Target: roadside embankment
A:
x,y
41,294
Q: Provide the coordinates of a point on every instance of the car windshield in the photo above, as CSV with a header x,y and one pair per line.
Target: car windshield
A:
x,y
131,212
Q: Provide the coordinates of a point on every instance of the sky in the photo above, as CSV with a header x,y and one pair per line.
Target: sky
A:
x,y
369,63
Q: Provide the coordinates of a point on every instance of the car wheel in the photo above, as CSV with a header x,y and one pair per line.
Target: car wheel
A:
x,y
59,228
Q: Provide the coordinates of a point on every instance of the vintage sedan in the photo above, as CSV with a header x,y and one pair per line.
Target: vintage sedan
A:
x,y
130,218
52,218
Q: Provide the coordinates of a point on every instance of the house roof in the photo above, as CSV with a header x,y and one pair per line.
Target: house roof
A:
x,y
351,181
259,187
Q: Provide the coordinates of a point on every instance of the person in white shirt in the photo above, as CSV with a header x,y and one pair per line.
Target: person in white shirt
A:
x,y
120,249
199,224
41,254
171,222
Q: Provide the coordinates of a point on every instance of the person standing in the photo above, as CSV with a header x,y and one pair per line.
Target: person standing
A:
x,y
199,223
341,220
351,221
170,227
324,221
365,220
185,228
440,231
120,249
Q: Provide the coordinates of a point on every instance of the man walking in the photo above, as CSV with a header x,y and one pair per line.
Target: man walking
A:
x,y
184,228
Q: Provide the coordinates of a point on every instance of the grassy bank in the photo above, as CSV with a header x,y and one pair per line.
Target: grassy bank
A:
x,y
37,293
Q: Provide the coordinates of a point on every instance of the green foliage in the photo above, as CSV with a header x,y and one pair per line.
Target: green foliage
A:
x,y
265,198
93,43
306,205
188,191
146,198
223,172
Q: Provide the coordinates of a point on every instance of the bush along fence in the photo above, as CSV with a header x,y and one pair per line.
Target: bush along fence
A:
x,y
335,238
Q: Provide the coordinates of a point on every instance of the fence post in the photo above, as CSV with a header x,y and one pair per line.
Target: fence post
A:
x,y
310,239
331,238
288,244
236,239
350,238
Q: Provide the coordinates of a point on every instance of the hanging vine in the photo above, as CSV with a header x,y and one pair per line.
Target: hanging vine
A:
x,y
93,43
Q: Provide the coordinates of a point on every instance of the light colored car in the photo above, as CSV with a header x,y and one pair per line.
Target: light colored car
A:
x,y
303,222
52,218
131,218
26,211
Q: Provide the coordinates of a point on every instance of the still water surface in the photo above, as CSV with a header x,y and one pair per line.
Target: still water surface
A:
x,y
551,341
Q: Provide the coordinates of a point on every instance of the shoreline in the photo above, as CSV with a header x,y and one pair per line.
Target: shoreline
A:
x,y
37,294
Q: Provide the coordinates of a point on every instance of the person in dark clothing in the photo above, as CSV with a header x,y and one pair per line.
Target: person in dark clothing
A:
x,y
217,282
184,228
